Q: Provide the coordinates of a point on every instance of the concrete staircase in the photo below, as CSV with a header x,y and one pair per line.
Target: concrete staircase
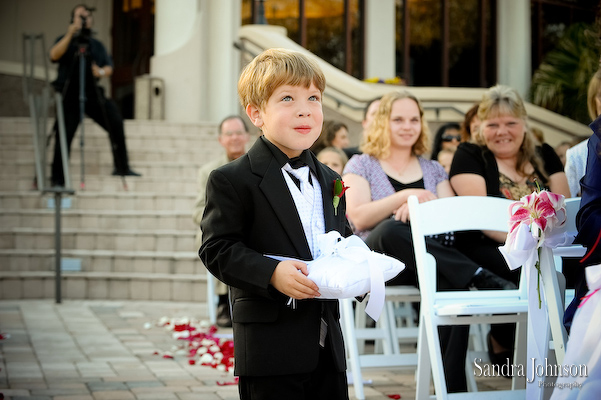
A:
x,y
117,243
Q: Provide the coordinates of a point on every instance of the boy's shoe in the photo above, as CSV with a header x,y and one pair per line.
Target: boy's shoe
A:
x,y
224,319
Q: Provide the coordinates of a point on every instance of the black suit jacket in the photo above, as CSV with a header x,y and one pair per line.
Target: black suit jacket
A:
x,y
249,213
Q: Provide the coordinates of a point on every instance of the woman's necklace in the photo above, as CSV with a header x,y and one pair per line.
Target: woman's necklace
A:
x,y
400,171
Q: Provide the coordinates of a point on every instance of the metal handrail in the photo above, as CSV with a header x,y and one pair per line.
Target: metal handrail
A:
x,y
38,109
356,105
341,100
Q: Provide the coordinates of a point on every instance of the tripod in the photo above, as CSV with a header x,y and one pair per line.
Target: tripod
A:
x,y
90,100
81,55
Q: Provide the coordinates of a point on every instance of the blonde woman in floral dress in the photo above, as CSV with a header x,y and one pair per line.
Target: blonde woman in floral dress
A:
x,y
504,162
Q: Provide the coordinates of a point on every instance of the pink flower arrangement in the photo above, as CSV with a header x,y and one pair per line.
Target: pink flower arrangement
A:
x,y
541,212
531,225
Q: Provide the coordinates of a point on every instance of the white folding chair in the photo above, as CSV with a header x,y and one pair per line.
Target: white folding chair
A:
x,y
386,335
577,251
461,307
212,299
556,298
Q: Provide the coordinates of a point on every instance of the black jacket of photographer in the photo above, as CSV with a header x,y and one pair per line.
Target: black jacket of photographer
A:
x,y
68,65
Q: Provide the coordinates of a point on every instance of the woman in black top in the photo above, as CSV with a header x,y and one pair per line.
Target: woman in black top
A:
x,y
505,162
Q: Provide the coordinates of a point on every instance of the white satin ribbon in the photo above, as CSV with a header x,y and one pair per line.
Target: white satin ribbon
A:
x,y
584,346
346,268
523,252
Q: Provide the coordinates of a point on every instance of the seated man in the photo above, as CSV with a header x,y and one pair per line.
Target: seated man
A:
x,y
233,136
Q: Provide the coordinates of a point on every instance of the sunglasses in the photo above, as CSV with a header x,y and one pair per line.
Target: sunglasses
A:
x,y
450,138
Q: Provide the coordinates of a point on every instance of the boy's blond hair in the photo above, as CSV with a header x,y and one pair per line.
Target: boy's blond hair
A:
x,y
274,68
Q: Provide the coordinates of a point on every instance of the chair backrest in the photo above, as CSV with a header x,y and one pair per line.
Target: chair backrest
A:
x,y
572,207
459,213
575,251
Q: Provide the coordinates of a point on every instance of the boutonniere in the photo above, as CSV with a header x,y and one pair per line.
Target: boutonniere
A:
x,y
339,190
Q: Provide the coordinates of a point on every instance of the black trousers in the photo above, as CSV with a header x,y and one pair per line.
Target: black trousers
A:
x,y
325,383
454,271
393,238
485,252
105,113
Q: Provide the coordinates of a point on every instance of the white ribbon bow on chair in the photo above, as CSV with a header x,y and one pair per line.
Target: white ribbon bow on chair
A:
x,y
523,251
346,268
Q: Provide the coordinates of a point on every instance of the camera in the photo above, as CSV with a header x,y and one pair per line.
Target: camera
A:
x,y
83,37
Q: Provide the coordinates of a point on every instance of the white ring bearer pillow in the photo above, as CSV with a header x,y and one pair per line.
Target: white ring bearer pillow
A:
x,y
346,268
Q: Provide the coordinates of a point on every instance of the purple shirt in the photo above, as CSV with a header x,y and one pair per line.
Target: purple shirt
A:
x,y
369,168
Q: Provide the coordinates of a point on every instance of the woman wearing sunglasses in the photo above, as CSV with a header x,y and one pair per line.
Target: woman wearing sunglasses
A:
x,y
448,137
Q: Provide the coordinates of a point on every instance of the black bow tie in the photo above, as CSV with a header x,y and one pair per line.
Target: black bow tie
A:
x,y
296,163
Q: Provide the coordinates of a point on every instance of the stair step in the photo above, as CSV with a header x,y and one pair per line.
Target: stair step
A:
x,y
18,126
24,168
132,237
93,200
109,286
102,219
100,183
121,261
99,239
198,150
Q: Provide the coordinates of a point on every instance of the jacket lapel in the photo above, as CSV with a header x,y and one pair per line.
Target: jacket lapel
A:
x,y
278,196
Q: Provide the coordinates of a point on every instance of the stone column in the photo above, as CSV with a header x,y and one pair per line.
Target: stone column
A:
x,y
514,65
380,39
195,57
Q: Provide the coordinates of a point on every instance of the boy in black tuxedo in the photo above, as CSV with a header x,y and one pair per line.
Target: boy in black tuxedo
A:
x,y
275,200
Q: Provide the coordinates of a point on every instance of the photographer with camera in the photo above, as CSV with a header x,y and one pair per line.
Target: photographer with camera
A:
x,y
75,51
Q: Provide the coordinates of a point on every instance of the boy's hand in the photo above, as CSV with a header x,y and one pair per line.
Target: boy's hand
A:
x,y
288,280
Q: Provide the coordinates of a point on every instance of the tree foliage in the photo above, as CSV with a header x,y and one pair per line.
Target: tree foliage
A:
x,y
561,81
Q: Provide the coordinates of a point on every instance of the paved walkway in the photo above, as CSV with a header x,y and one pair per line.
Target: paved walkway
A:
x,y
114,350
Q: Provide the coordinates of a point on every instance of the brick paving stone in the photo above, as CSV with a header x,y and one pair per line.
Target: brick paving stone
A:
x,y
14,392
75,397
100,386
59,392
26,385
180,382
67,385
126,377
145,384
104,349
160,389
114,395
31,398
156,396
198,396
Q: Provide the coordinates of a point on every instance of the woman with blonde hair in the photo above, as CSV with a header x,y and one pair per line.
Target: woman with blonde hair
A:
x,y
381,179
505,162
